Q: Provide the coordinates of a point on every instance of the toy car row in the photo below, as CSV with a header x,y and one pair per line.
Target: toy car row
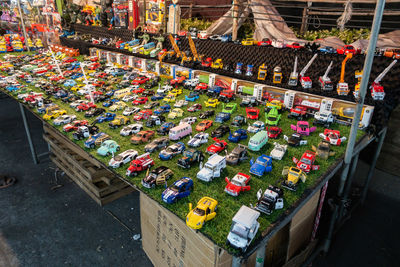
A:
x,y
186,154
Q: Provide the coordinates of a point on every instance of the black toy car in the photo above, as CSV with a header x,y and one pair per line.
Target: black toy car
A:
x,y
220,131
271,200
155,120
157,176
94,112
295,140
206,114
237,155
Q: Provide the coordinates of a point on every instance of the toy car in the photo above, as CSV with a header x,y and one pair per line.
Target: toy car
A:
x,y
306,162
162,109
204,125
169,152
141,163
323,150
217,146
327,50
193,96
274,132
140,101
206,114
212,102
261,165
131,129
96,139
273,104
205,211
237,136
292,176
143,115
54,114
303,127
64,119
295,140
175,92
229,108
252,113
175,113
333,137
156,144
256,127
238,184
220,131
273,117
189,157
169,98
165,127
130,110
265,42
271,200
142,137
117,106
201,88
249,101
188,120
238,121
179,189
278,151
85,131
195,107
198,140
122,158
155,120
206,62
118,121
105,117
94,112
158,176
73,126
140,80
347,49
180,103
248,41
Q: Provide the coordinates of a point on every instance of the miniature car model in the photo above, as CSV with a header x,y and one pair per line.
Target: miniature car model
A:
x,y
165,127
85,106
248,41
122,158
333,137
54,114
237,155
141,163
273,104
85,131
306,162
138,90
274,132
256,127
195,107
229,108
193,96
237,136
177,81
238,121
96,139
155,120
278,151
105,117
261,165
249,101
204,125
169,98
171,151
238,184
273,117
108,147
220,131
324,118
206,114
292,176
119,121
201,88
156,144
140,80
94,112
175,113
162,109
303,127
212,102
206,62
205,211
179,189
117,106
158,176
252,113
73,126
143,115
295,140
142,137
175,92
198,140
347,49
140,101
189,157
212,168
188,120
244,228
130,110
265,42
180,103
271,200
323,150
327,50
131,129
217,146
64,119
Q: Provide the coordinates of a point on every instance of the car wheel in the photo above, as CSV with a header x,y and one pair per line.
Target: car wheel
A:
x,y
118,148
108,154
92,146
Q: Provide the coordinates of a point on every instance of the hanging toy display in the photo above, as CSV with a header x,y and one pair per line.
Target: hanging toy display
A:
x,y
120,18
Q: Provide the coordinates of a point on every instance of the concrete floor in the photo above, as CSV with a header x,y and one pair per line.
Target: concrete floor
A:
x,y
42,225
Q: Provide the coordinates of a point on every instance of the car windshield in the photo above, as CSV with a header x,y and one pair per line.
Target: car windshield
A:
x,y
272,118
202,124
324,148
228,108
236,183
260,162
252,113
199,212
187,153
306,161
273,131
175,188
239,230
218,144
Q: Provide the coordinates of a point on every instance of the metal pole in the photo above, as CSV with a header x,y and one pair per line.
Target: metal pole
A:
x,y
235,261
260,256
373,164
28,134
23,25
348,184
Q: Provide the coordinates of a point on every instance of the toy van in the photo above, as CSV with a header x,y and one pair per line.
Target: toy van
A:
x,y
180,131
258,141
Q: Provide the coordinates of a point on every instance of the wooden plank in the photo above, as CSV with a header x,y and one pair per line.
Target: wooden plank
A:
x,y
340,1
366,13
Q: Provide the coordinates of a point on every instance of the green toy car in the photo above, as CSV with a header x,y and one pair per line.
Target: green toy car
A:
x,y
229,108
273,117
107,148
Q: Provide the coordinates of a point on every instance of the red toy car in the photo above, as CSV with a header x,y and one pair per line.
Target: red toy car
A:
x,y
84,106
177,81
333,137
207,62
265,42
195,107
100,75
95,94
55,78
274,132
295,46
306,162
143,115
94,66
348,49
138,90
74,125
140,80
252,113
69,60
237,184
201,88
140,100
217,147
98,83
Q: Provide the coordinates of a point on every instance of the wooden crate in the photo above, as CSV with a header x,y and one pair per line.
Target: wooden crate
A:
x,y
99,183
167,240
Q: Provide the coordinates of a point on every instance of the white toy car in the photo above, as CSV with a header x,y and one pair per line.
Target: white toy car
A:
x,y
198,139
128,98
279,151
180,103
123,158
130,110
256,127
76,103
64,119
131,129
189,120
164,89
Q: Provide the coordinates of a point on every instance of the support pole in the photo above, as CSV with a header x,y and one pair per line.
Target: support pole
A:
x,y
373,164
28,134
235,261
260,257
23,26
348,185
235,15
304,20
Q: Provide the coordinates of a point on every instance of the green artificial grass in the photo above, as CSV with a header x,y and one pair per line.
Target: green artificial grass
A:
x,y
218,229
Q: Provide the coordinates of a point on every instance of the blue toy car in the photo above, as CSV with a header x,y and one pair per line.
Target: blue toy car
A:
x,y
193,96
237,136
262,165
74,65
69,83
110,93
105,117
222,117
12,88
327,50
110,102
169,152
179,189
118,72
76,75
61,94
226,38
163,109
91,142
158,96
214,91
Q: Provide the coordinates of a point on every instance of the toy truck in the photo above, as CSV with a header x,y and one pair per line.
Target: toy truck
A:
x,y
141,163
342,87
249,101
85,132
191,84
244,228
190,156
212,168
325,118
324,81
304,109
271,200
305,81
377,91
294,75
227,96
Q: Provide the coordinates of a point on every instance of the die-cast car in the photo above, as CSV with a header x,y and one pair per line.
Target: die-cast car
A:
x,y
74,125
256,127
261,165
295,139
237,155
143,115
237,136
64,119
171,151
274,132
131,129
333,137
123,158
217,146
212,102
195,107
205,211
306,162
204,125
180,103
252,113
188,120
156,144
106,117
206,114
175,113
238,184
220,131
278,151
222,117
158,176
198,140
179,189
142,137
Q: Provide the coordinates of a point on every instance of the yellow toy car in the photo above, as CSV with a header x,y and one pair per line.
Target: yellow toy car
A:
x,y
292,176
212,102
205,211
175,113
169,98
118,106
54,114
248,41
274,104
217,64
119,121
175,92
77,87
